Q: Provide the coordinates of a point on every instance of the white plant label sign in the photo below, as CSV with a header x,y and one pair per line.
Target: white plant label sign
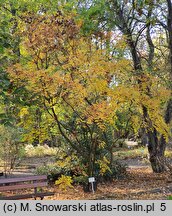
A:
x,y
91,179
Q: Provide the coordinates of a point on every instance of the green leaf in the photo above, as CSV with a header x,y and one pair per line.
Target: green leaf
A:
x,y
1,50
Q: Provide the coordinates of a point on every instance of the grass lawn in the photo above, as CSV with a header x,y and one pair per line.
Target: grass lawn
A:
x,y
141,152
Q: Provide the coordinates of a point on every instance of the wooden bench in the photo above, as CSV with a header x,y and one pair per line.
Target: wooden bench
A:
x,y
32,184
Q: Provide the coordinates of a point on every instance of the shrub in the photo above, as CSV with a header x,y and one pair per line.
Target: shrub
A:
x,y
40,150
11,149
64,182
80,179
116,171
66,165
51,170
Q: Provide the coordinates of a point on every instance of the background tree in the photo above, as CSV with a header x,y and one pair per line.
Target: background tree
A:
x,y
137,22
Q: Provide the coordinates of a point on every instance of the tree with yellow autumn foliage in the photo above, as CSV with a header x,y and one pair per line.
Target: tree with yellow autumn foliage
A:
x,y
83,87
88,73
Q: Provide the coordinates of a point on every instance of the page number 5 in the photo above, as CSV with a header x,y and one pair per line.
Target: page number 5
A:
x,y
163,206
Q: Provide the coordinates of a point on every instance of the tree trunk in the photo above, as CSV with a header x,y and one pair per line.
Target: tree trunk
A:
x,y
156,153
168,114
156,147
91,165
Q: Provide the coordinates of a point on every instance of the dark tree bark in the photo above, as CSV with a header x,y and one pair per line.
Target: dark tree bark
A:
x,y
169,27
156,147
168,114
